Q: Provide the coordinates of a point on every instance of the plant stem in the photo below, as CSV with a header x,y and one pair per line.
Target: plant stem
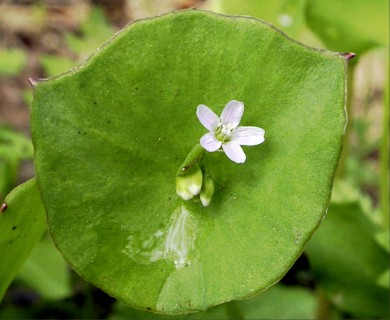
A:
x,y
323,304
193,158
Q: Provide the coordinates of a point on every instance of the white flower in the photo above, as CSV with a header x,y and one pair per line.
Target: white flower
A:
x,y
225,132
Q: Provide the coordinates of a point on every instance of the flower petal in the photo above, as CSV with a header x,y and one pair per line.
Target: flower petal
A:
x,y
232,113
248,136
234,151
210,142
207,117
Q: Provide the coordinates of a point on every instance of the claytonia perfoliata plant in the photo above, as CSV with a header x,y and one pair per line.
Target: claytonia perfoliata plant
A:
x,y
225,132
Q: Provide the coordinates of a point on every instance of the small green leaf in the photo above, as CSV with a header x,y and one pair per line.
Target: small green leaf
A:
x,y
12,61
382,238
356,26
384,279
347,261
14,147
111,135
46,271
9,166
22,223
18,143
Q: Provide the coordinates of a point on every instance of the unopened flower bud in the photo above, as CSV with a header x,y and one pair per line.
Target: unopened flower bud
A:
x,y
189,183
207,190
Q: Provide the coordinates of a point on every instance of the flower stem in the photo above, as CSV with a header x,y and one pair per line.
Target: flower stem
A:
x,y
193,158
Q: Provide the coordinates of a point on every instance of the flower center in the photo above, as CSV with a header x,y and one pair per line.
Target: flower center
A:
x,y
223,131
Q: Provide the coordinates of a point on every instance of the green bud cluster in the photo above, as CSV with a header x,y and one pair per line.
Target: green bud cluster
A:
x,y
193,179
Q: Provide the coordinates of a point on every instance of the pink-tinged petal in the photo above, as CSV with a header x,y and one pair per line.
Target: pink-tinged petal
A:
x,y
207,117
248,136
234,151
210,142
232,113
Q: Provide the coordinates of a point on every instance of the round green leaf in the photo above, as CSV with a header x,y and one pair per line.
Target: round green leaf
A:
x,y
110,135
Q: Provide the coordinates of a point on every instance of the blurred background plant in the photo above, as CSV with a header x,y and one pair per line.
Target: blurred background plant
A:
x,y
343,273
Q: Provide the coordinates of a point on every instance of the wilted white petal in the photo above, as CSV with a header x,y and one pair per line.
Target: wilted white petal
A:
x,y
248,136
210,142
207,117
232,113
234,151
